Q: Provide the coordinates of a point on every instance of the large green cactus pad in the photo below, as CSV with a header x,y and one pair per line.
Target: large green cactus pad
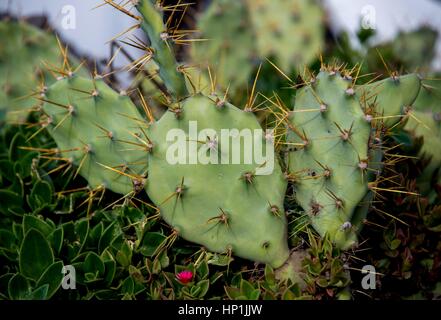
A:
x,y
225,207
335,143
99,130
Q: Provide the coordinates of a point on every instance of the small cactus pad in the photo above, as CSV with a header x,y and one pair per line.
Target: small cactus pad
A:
x,y
162,47
391,97
225,207
100,131
228,44
21,61
291,31
329,135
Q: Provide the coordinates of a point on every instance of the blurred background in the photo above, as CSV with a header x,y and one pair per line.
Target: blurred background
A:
x,y
93,27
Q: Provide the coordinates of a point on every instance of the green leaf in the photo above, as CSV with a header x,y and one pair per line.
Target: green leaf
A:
x,y
40,293
128,286
107,237
35,255
204,286
202,270
289,295
82,232
164,259
254,295
220,260
56,239
9,201
95,233
395,244
110,271
93,264
233,293
4,280
33,222
7,170
270,277
41,195
26,164
53,277
15,149
246,288
18,231
150,243
18,287
7,240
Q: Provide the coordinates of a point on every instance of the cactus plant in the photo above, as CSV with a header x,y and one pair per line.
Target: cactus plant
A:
x,y
237,34
22,62
218,215
289,31
96,129
102,133
332,174
161,51
112,146
331,131
228,44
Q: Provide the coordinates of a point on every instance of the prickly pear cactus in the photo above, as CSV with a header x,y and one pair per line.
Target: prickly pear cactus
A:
x,y
99,131
162,49
425,122
21,65
331,131
291,31
236,35
225,207
227,45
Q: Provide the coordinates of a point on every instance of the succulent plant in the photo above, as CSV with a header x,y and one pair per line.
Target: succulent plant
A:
x,y
171,165
236,35
333,127
291,32
227,45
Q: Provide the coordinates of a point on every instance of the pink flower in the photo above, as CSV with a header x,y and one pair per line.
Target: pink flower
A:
x,y
185,276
